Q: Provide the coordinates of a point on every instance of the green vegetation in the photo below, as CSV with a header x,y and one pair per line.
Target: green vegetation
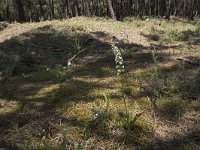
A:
x,y
129,88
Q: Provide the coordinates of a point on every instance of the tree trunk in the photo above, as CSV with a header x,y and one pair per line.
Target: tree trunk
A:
x,y
8,11
64,9
111,10
75,11
41,10
140,9
168,10
52,9
20,11
85,7
69,9
191,15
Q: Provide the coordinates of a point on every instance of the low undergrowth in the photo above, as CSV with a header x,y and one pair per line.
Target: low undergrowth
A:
x,y
116,94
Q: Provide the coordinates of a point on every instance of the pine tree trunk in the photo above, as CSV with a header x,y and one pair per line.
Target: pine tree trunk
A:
x,y
69,9
20,11
111,10
8,11
85,7
130,7
168,10
52,9
41,9
191,15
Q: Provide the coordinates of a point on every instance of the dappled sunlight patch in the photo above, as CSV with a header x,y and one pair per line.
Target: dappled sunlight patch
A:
x,y
80,111
73,88
48,89
117,84
44,133
99,92
186,125
45,91
171,108
137,71
8,106
133,88
109,70
17,29
21,89
89,96
190,122
140,73
194,106
170,31
168,65
106,81
116,108
141,103
33,77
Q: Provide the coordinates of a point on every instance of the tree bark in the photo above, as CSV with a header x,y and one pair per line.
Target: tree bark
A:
x,y
85,7
20,10
111,10
168,11
41,10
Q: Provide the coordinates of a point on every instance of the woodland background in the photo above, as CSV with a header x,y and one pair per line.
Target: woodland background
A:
x,y
37,10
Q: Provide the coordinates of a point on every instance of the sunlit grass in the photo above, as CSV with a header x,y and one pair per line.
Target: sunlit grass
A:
x,y
77,94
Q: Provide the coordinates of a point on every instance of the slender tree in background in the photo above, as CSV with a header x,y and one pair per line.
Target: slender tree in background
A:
x,y
40,2
64,4
74,8
20,11
85,7
168,5
52,14
35,10
111,10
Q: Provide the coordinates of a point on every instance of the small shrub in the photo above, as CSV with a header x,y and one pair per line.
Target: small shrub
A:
x,y
153,34
79,27
128,119
101,115
177,35
154,37
77,44
60,73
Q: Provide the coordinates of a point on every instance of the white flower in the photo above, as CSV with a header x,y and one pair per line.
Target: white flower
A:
x,y
118,59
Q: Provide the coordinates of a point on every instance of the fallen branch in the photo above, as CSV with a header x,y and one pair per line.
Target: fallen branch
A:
x,y
69,63
189,61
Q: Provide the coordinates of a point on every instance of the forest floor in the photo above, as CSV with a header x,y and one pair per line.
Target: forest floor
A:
x,y
155,104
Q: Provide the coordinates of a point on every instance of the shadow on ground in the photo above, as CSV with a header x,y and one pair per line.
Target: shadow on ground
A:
x,y
33,73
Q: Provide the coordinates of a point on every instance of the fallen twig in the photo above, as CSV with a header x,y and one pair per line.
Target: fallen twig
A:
x,y
69,63
189,61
